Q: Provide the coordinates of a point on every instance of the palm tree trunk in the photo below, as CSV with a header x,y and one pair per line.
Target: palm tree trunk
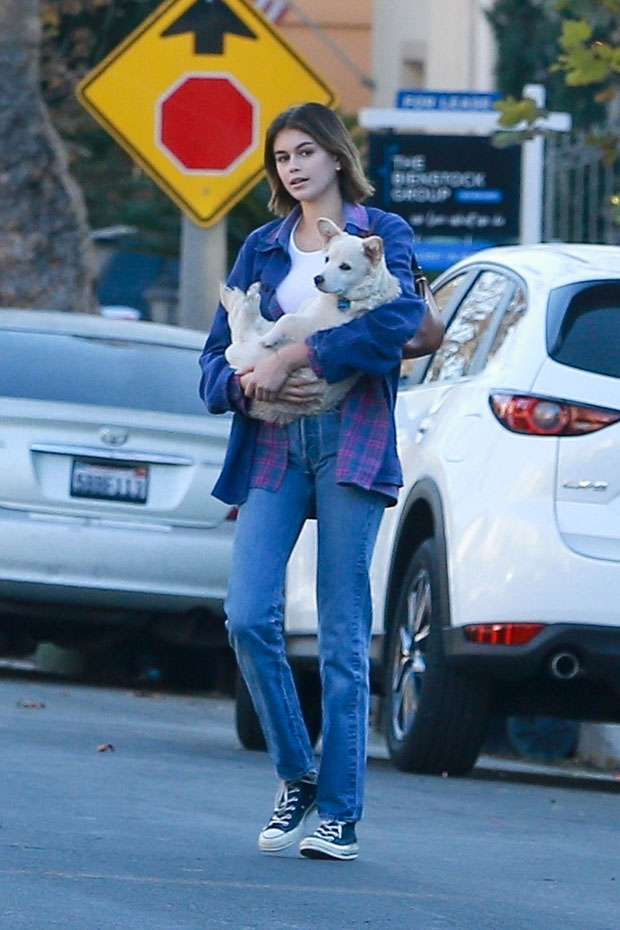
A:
x,y
46,255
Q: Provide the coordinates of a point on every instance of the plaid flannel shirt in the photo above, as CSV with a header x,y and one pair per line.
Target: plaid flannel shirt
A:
x,y
367,456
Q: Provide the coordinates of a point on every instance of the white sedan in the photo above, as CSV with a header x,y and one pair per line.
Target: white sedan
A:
x,y
496,578
107,460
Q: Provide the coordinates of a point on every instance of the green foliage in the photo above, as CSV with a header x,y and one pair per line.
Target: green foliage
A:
x,y
524,37
586,57
599,12
584,60
515,111
527,33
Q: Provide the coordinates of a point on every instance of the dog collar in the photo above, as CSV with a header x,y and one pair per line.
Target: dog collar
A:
x,y
343,303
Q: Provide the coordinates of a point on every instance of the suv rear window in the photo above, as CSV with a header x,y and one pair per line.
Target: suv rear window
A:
x,y
105,372
583,326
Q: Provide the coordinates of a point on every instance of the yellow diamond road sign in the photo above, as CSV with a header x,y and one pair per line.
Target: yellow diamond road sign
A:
x,y
190,94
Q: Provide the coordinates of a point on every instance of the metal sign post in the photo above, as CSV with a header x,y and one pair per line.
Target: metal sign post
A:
x,y
203,267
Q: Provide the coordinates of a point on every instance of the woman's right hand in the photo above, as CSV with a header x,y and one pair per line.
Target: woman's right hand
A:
x,y
299,389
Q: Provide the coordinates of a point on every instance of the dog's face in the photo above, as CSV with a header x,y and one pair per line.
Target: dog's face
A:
x,y
349,260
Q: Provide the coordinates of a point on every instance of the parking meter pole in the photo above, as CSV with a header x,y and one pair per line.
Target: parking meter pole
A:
x,y
203,267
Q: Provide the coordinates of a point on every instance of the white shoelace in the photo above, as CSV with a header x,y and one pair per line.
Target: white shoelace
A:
x,y
286,799
330,829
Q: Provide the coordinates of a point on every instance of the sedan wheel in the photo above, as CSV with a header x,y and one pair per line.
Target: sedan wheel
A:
x,y
248,725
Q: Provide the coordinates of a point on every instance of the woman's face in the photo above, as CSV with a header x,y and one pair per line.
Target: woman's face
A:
x,y
307,170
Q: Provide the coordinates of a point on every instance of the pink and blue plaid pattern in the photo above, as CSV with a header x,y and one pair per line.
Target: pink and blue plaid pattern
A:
x,y
364,440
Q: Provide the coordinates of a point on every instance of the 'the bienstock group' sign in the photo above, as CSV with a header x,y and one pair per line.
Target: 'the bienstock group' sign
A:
x,y
459,193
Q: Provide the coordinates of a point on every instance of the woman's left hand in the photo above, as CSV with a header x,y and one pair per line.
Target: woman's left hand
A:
x,y
269,375
266,379
301,389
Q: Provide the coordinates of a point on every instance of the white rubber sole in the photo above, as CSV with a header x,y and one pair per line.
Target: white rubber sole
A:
x,y
314,848
284,840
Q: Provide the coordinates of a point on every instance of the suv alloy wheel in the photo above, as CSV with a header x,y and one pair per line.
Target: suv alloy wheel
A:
x,y
436,716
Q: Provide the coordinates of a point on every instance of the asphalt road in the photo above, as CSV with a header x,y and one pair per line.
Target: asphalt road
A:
x,y
124,810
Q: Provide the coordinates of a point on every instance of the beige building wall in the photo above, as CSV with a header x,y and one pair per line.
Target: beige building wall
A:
x,y
369,49
432,44
334,36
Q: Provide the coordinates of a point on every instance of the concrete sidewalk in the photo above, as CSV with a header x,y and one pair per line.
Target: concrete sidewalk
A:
x,y
599,746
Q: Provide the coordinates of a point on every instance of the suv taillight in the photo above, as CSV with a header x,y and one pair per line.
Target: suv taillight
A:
x,y
545,416
502,634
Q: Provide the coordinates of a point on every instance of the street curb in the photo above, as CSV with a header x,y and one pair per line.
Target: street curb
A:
x,y
599,746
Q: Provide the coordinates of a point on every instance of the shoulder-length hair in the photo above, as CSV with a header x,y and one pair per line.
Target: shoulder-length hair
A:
x,y
328,130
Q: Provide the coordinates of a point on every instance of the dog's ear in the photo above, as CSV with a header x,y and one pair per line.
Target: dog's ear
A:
x,y
328,229
373,247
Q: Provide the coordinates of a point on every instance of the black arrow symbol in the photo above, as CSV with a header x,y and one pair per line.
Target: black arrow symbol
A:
x,y
210,21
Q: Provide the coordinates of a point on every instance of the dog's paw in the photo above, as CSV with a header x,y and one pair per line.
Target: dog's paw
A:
x,y
230,297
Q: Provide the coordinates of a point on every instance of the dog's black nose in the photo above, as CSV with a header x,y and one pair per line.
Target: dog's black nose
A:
x,y
318,279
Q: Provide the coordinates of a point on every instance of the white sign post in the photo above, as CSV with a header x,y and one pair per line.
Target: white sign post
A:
x,y
532,171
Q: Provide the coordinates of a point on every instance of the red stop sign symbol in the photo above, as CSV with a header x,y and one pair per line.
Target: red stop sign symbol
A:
x,y
207,123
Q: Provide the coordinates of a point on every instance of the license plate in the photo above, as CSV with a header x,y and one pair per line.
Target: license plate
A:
x,y
109,482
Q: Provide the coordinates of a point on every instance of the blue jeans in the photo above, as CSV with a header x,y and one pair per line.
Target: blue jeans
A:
x,y
268,526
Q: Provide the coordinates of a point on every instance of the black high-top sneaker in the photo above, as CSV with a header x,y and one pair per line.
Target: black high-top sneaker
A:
x,y
333,839
295,801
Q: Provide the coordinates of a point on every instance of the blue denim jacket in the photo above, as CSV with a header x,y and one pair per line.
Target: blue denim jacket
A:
x,y
371,344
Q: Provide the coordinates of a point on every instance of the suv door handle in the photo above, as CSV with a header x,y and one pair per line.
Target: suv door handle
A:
x,y
423,428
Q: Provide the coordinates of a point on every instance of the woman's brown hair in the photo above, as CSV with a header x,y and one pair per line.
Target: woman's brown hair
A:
x,y
328,131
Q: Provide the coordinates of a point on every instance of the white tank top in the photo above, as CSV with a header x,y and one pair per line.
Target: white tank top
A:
x,y
298,285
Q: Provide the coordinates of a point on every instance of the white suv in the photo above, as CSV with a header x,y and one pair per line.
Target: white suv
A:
x,y
496,578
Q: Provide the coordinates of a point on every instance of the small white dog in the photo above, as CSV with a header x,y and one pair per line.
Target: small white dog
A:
x,y
355,279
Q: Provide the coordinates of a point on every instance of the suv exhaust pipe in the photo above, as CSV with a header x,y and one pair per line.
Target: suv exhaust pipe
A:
x,y
564,665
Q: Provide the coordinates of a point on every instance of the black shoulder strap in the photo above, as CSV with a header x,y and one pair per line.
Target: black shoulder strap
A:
x,y
419,278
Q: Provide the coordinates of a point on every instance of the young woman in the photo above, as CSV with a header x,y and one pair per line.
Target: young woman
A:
x,y
340,467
